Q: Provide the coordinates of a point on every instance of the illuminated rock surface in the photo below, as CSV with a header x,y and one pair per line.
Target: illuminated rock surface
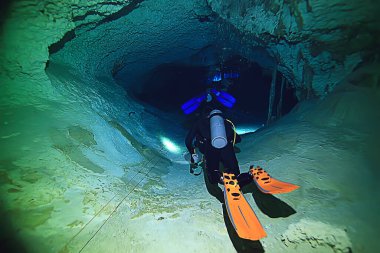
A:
x,y
83,166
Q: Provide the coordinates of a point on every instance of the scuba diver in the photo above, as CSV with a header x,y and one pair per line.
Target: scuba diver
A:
x,y
212,134
215,138
215,148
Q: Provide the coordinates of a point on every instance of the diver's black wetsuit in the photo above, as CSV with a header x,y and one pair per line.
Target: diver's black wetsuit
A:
x,y
201,133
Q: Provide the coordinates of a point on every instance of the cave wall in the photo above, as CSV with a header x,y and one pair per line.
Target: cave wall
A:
x,y
30,27
155,33
316,44
60,134
305,37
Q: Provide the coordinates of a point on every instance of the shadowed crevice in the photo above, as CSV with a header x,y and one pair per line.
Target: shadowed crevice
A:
x,y
121,13
55,47
4,10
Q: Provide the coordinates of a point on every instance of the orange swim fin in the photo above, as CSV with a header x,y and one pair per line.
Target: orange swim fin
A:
x,y
241,214
268,184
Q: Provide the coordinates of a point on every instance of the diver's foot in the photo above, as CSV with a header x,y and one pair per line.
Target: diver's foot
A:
x,y
244,179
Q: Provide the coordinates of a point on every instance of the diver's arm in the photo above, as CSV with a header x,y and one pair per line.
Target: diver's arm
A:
x,y
189,144
189,139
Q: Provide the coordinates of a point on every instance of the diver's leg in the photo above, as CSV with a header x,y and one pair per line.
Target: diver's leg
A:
x,y
213,189
232,166
244,179
229,160
212,166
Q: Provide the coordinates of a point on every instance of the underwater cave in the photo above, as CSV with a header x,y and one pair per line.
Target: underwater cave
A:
x,y
92,135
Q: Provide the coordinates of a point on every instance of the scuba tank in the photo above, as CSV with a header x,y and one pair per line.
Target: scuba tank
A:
x,y
218,130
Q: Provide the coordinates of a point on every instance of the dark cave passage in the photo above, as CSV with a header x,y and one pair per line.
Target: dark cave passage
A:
x,y
168,86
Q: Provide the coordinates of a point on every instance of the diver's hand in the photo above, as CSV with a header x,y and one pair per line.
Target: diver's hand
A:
x,y
192,167
195,158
